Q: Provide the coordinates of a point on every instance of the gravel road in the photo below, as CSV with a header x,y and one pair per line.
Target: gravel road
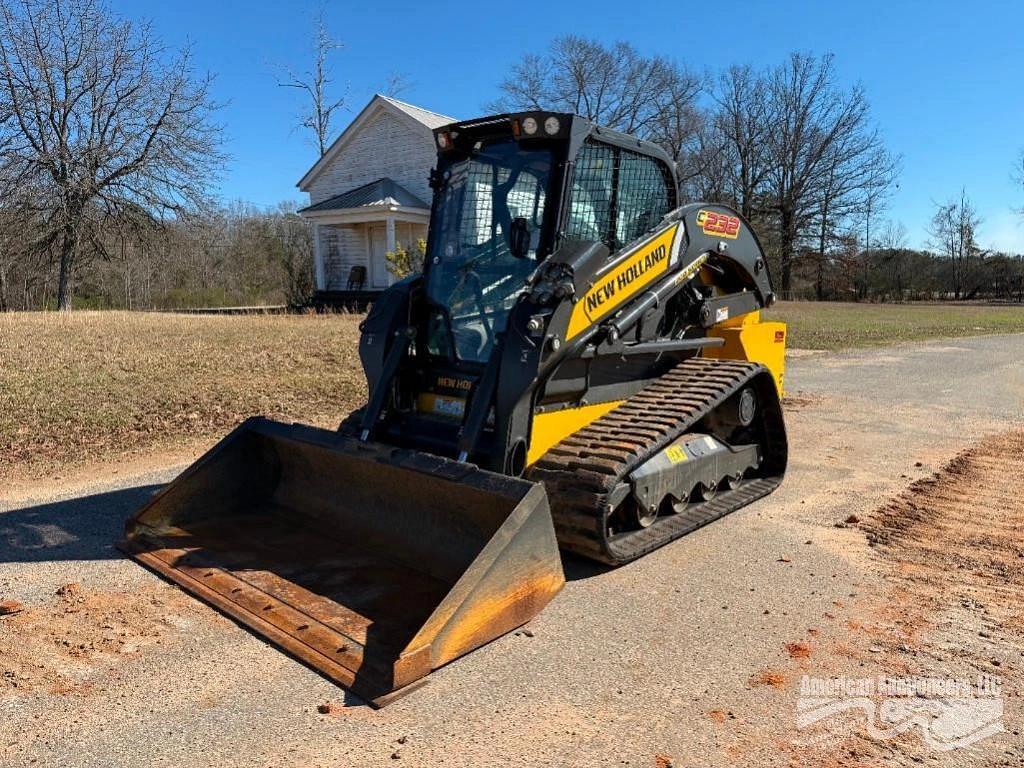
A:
x,y
690,657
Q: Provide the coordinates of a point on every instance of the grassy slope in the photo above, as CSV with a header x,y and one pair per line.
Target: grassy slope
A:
x,y
98,386
830,325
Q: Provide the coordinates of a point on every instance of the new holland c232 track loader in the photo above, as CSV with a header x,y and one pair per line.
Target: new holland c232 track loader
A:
x,y
581,365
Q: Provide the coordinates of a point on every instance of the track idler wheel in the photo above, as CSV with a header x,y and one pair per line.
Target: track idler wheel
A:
x,y
705,492
638,515
732,482
739,410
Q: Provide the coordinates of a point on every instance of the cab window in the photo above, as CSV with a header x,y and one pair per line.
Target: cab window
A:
x,y
617,195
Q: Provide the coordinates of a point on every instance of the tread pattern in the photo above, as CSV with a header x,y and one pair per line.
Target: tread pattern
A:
x,y
581,472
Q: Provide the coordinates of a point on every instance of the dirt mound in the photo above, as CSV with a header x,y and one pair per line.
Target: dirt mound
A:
x,y
951,548
63,645
957,537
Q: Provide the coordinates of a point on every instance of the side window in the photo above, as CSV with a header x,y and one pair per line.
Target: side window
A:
x,y
479,209
476,183
643,196
591,196
608,179
525,198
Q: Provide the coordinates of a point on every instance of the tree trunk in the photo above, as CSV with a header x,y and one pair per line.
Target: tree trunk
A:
x,y
67,264
4,305
867,248
819,282
787,243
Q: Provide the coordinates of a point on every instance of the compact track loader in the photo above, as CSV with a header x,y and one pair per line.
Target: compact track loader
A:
x,y
581,364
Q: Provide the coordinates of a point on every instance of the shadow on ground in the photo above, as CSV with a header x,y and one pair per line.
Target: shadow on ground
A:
x,y
577,568
77,529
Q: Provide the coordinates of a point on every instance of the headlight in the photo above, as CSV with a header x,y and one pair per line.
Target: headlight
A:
x,y
529,126
552,126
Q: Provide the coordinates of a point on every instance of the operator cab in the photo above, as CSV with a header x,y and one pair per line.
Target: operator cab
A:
x,y
509,191
486,232
502,205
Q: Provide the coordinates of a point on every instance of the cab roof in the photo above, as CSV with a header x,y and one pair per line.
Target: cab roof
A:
x,y
574,128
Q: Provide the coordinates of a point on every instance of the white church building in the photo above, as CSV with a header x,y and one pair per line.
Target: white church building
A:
x,y
368,193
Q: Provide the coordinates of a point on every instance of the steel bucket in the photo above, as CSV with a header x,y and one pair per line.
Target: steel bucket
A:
x,y
373,565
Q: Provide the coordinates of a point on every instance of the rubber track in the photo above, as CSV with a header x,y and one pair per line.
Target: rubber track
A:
x,y
580,472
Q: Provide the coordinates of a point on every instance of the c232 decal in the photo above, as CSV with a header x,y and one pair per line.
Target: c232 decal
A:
x,y
714,224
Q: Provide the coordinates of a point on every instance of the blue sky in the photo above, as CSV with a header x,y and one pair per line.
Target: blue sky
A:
x,y
944,78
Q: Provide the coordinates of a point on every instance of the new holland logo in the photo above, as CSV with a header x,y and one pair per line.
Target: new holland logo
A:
x,y
632,273
450,382
606,292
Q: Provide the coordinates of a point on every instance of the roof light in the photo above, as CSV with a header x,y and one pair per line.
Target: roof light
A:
x,y
443,140
529,126
552,126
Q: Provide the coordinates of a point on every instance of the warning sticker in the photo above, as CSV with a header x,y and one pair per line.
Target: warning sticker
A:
x,y
676,454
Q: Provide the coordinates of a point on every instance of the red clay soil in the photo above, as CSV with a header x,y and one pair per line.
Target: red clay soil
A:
x,y
951,548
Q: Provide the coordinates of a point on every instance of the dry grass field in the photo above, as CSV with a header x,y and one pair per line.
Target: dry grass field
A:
x,y
92,387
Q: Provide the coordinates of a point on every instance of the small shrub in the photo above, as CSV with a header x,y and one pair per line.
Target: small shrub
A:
x,y
403,261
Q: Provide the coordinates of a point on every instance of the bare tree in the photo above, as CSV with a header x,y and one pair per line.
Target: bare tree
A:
x,y
678,122
316,83
292,240
396,84
615,86
741,126
793,151
953,229
98,118
893,236
873,182
852,194
817,133
706,171
831,197
892,246
16,230
13,231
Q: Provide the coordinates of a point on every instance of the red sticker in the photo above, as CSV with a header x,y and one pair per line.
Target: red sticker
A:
x,y
719,224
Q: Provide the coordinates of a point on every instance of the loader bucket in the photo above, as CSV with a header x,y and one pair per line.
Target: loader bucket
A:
x,y
372,564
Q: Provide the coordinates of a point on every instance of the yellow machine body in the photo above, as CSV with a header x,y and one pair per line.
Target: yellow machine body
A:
x,y
549,429
749,338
